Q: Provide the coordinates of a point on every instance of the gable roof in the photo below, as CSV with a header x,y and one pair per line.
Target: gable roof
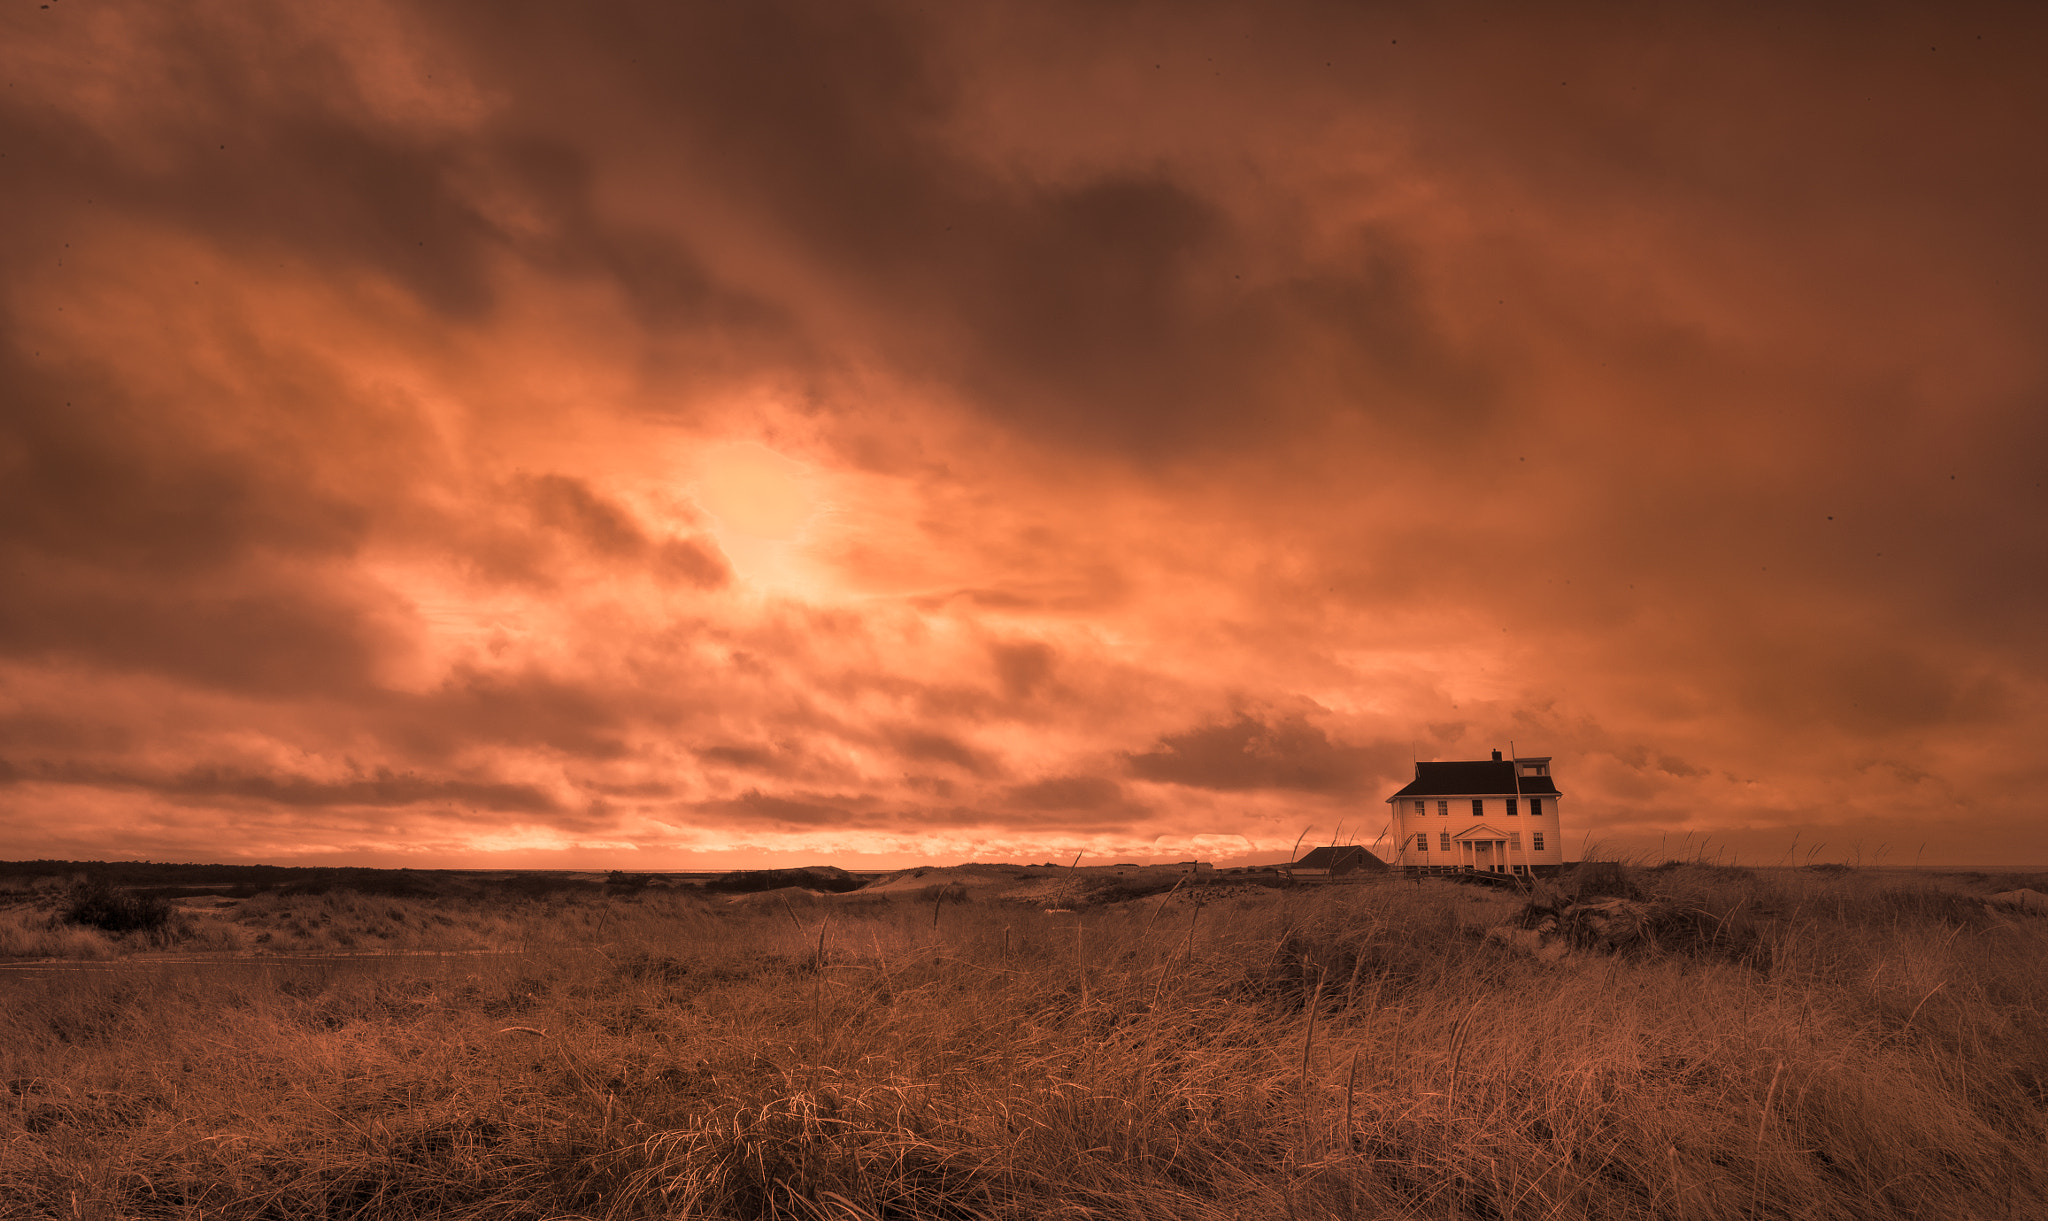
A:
x,y
1474,778
1351,856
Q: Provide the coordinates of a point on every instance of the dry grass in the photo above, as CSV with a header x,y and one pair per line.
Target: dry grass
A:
x,y
1818,1047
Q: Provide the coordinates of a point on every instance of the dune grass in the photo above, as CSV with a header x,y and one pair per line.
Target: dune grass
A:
x,y
1822,1046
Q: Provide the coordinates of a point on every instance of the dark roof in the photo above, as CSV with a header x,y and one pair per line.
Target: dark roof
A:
x,y
1473,778
1351,856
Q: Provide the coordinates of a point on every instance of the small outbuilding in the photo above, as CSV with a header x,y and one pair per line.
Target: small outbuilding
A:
x,y
1333,862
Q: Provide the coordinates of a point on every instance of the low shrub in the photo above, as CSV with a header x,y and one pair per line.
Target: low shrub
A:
x,y
827,878
545,886
1944,907
51,939
95,904
1602,880
1705,869
943,892
1136,886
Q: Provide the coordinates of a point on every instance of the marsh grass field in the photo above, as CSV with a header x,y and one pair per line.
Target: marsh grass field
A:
x,y
1776,1044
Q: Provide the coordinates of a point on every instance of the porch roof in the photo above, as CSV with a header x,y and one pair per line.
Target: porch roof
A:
x,y
1482,831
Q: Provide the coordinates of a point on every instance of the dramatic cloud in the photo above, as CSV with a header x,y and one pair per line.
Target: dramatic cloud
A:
x,y
1249,754
883,431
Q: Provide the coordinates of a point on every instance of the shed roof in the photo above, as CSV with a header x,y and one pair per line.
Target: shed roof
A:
x,y
1350,856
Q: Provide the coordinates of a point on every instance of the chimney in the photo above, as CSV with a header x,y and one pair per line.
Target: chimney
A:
x,y
1496,756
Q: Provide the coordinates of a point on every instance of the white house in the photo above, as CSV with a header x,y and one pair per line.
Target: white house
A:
x,y
1483,815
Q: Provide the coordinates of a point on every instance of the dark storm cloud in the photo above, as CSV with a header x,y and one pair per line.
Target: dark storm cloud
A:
x,y
139,538
923,746
692,561
1068,794
562,519
1024,668
273,149
1112,310
801,810
576,717
562,231
381,788
1118,294
269,149
1278,752
741,758
270,638
569,505
93,474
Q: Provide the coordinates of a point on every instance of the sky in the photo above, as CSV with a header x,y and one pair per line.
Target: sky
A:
x,y
669,436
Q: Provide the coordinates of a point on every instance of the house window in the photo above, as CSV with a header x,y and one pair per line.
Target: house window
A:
x,y
1443,809
1478,808
1535,807
1512,811
1422,843
1418,807
1536,841
1446,840
1515,840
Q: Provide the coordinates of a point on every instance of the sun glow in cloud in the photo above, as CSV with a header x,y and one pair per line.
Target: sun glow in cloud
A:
x,y
767,513
754,490
888,435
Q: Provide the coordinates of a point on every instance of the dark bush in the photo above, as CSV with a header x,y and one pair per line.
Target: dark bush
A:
x,y
1137,887
1602,879
1944,907
96,904
2013,881
810,877
545,886
1350,962
383,883
645,966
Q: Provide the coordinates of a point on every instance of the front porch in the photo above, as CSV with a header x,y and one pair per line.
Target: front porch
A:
x,y
1483,849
